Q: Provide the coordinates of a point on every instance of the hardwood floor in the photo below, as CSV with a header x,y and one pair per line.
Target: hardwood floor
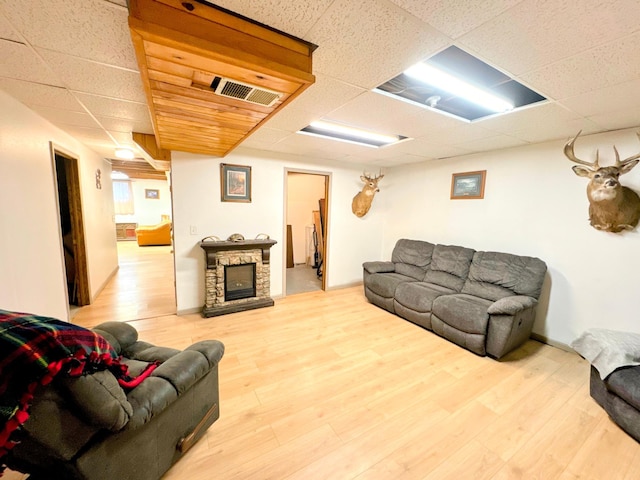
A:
x,y
325,385
141,288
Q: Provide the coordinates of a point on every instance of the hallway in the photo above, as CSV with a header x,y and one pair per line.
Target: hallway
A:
x,y
142,287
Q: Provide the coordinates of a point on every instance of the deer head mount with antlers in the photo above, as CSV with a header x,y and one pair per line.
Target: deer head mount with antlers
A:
x,y
362,201
612,206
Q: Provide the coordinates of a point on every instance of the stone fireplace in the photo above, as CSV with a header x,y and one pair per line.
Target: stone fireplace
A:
x,y
237,276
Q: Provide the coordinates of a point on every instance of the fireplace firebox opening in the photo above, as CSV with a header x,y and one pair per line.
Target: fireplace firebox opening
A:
x,y
239,281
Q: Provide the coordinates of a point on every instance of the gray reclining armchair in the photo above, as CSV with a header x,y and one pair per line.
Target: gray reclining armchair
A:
x,y
90,428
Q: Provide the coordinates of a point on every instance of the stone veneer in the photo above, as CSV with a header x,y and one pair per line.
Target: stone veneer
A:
x,y
219,254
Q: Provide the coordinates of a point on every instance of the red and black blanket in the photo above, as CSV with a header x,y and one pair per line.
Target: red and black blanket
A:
x,y
34,350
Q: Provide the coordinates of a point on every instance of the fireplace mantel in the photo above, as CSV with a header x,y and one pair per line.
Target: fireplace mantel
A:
x,y
212,247
224,254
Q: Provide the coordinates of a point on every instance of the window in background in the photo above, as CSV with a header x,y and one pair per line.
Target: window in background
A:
x,y
123,197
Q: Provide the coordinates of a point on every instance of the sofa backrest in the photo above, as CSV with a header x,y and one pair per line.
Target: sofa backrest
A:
x,y
495,275
412,257
449,266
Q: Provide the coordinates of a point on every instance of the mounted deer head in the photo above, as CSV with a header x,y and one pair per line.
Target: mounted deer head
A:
x,y
362,201
612,207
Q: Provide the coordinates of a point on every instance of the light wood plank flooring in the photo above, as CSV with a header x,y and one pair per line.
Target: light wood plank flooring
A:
x,y
142,287
327,386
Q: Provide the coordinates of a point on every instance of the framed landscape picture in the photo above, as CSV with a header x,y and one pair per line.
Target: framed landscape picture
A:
x,y
235,183
468,185
151,193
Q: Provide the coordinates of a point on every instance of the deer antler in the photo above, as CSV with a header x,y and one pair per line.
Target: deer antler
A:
x,y
568,151
626,160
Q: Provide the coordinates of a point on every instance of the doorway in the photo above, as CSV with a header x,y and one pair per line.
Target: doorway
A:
x,y
71,227
306,236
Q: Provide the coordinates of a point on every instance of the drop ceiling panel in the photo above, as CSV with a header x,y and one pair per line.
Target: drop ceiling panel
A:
x,y
366,43
37,94
533,34
71,34
618,98
85,76
66,117
540,123
456,18
18,61
295,17
113,107
7,32
326,95
599,67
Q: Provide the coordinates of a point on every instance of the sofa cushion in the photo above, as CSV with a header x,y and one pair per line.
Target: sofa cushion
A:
x,y
412,257
625,382
419,296
99,399
495,275
385,284
463,312
449,266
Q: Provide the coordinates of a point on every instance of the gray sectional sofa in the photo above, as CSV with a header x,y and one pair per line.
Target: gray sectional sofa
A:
x,y
482,301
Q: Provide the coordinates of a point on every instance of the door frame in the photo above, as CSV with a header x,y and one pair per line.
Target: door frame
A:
x,y
72,173
327,188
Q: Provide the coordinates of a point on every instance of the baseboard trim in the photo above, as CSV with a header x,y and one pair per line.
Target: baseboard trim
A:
x,y
553,343
104,284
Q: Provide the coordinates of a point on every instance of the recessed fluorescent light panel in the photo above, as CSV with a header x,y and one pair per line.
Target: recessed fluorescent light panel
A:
x,y
457,83
345,133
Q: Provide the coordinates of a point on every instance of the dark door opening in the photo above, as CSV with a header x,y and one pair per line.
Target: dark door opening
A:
x,y
72,228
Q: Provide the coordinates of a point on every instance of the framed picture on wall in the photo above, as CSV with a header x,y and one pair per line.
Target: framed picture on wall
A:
x,y
151,193
235,183
468,185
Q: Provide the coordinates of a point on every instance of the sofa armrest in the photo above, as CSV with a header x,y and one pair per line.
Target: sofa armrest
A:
x,y
379,267
173,378
511,305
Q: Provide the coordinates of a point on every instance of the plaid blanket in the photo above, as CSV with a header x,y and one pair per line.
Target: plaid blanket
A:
x,y
34,350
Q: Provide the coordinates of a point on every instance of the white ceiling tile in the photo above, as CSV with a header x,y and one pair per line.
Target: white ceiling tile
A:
x,y
495,142
112,107
291,119
535,33
295,17
603,66
88,77
38,94
366,43
7,32
123,138
325,95
629,118
90,136
624,96
62,118
540,123
91,29
125,125
264,137
424,148
20,62
455,18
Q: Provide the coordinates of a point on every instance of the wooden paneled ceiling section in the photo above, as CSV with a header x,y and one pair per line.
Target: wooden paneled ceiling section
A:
x,y
181,48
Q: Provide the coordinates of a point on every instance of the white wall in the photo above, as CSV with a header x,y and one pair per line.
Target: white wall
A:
x,y
534,205
148,211
196,202
31,260
303,193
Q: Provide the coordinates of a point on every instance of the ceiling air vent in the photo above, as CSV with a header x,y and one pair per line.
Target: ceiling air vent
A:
x,y
243,91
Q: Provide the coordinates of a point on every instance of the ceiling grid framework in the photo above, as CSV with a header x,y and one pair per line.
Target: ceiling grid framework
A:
x,y
73,62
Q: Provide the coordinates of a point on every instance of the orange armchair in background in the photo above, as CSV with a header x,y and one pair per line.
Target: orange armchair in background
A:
x,y
159,234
